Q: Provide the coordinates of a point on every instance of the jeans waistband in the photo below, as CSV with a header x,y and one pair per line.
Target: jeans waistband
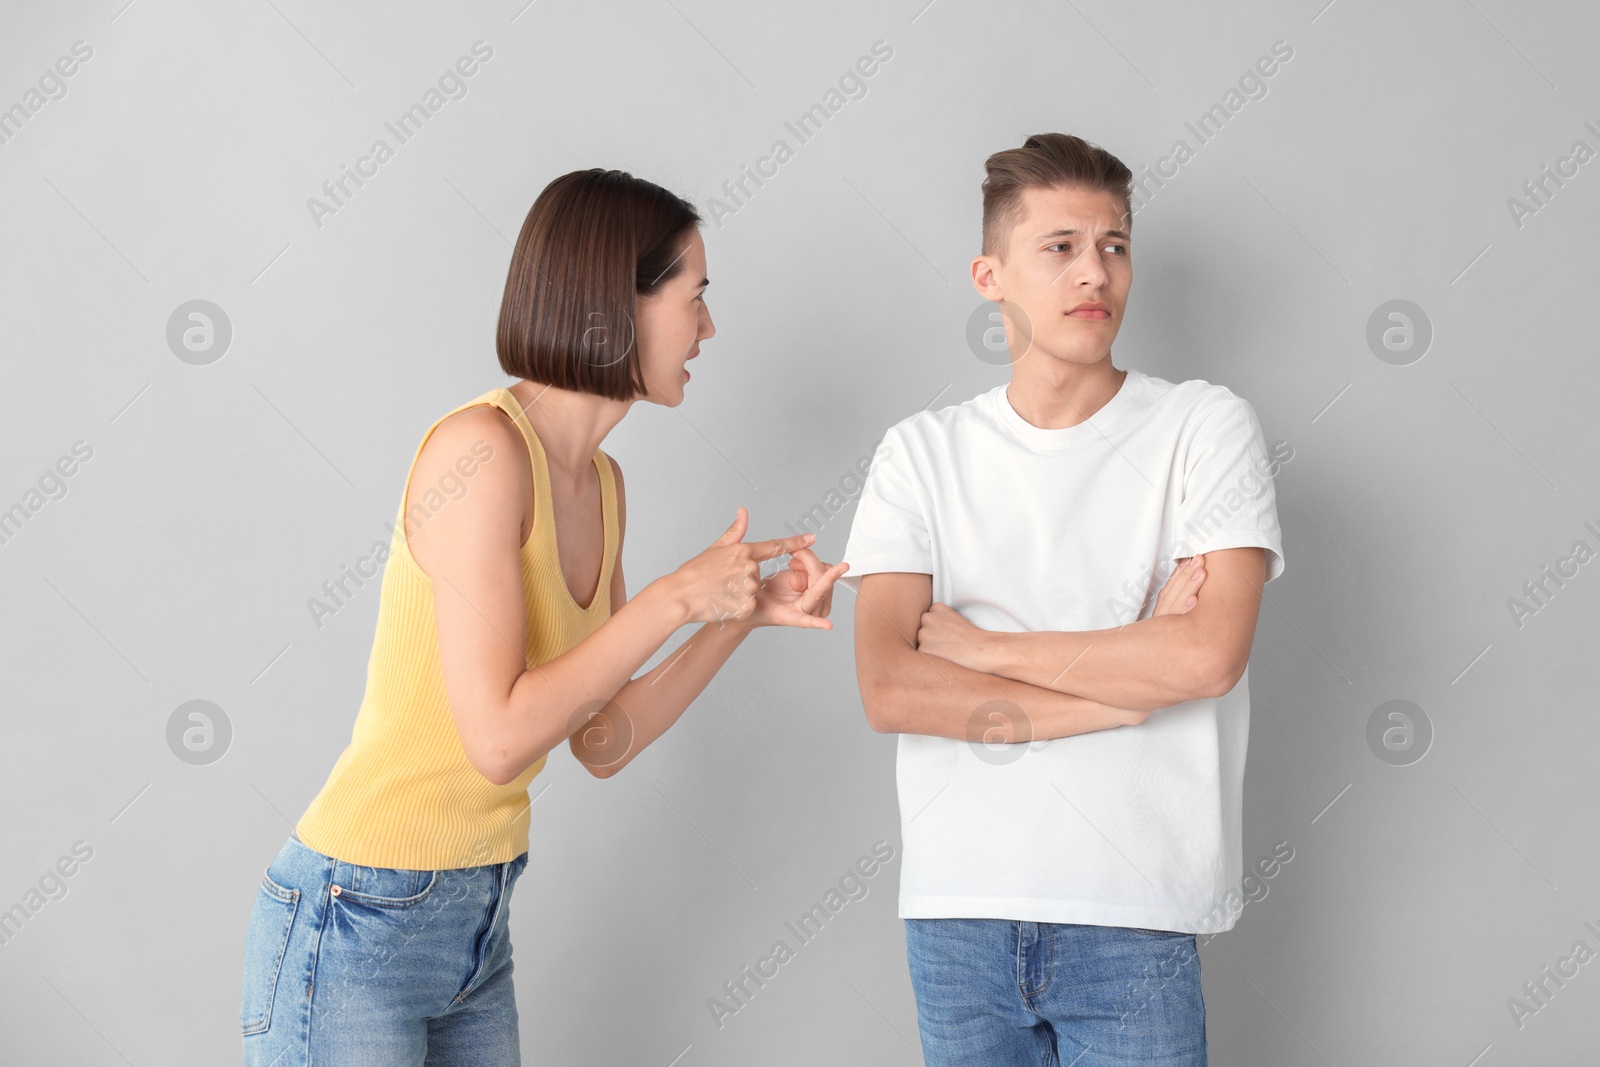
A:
x,y
304,858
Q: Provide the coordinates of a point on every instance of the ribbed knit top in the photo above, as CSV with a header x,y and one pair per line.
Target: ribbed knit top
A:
x,y
403,793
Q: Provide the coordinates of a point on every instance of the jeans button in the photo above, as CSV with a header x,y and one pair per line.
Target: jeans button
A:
x,y
336,890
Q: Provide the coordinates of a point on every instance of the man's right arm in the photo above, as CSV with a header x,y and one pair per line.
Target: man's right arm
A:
x,y
911,692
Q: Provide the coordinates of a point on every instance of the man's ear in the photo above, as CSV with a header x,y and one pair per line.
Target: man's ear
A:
x,y
984,279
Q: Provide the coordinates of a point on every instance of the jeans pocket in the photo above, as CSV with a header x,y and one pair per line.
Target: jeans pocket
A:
x,y
408,899
265,942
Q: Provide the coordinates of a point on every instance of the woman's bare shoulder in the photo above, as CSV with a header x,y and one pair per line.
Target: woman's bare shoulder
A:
x,y
470,480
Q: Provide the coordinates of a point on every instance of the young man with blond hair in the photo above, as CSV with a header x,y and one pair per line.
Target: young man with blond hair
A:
x,y
1058,582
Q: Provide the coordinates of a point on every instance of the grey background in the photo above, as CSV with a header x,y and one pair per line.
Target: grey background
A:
x,y
178,562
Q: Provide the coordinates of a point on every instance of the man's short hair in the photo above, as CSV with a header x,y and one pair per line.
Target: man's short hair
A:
x,y
1046,160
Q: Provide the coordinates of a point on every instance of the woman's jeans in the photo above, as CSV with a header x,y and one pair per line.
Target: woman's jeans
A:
x,y
996,992
348,965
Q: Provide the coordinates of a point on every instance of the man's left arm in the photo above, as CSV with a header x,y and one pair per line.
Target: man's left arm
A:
x,y
1143,665
1180,653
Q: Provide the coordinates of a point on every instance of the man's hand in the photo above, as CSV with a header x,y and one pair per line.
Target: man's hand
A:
x,y
1177,596
945,632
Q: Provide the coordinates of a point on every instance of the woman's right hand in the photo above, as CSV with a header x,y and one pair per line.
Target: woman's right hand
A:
x,y
721,582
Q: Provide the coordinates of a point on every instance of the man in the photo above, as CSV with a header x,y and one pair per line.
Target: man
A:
x,y
1072,747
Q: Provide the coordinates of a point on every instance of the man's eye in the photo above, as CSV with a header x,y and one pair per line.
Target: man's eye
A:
x,y
1124,248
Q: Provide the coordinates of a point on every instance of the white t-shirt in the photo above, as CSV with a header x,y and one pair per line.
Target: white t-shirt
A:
x,y
1029,529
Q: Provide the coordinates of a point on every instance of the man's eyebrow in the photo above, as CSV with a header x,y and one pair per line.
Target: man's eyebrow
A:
x,y
1120,235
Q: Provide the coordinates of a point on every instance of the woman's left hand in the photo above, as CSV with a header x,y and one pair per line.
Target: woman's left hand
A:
x,y
800,596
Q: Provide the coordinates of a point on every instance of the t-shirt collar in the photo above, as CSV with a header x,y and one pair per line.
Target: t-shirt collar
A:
x,y
1111,415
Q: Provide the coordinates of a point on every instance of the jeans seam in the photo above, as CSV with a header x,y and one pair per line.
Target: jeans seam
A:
x,y
326,899
1046,959
477,976
1021,991
1042,939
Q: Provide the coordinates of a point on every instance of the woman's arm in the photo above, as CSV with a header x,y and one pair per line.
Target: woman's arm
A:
x,y
509,713
610,737
606,739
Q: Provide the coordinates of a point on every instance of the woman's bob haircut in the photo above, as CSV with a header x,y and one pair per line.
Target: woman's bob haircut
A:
x,y
593,242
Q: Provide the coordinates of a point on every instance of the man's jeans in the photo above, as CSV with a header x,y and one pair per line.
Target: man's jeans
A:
x,y
998,992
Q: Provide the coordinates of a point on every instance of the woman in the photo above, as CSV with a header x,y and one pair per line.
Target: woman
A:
x,y
379,933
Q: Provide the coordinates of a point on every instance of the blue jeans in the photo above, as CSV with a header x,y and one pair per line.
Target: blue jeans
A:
x,y
998,992
350,965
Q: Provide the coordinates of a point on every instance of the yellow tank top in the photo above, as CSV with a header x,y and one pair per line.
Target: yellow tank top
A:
x,y
403,794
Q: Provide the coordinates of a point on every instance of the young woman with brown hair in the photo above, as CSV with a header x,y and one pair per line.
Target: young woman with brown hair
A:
x,y
379,933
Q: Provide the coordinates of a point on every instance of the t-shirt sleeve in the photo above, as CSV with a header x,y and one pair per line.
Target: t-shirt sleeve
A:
x,y
1229,500
890,529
